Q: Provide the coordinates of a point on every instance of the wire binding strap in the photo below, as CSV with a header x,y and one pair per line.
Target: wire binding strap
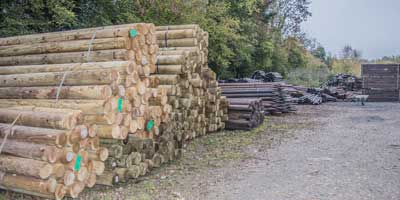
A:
x,y
11,132
65,73
157,64
166,37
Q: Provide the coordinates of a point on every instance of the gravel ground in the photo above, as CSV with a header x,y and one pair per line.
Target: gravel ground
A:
x,y
352,152
339,151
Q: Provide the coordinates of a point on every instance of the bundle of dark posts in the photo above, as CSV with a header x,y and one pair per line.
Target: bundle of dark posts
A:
x,y
346,81
274,95
267,77
310,99
245,113
336,92
320,92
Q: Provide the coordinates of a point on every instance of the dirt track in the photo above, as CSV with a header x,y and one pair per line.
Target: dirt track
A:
x,y
338,151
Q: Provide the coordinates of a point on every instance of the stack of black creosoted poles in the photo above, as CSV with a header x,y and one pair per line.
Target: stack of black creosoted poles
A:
x,y
245,113
275,96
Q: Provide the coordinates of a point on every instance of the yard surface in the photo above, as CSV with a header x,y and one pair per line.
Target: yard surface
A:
x,y
338,151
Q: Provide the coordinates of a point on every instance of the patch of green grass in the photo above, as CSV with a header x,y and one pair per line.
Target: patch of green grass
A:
x,y
148,186
220,147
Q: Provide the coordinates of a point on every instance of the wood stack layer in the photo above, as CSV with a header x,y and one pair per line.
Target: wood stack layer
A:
x,y
245,113
191,107
107,97
193,91
381,82
274,95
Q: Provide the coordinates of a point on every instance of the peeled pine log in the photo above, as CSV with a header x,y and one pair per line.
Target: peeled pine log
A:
x,y
185,42
90,107
177,27
39,119
37,151
69,57
64,46
112,131
126,66
80,34
108,178
86,77
32,186
34,134
170,69
168,79
175,59
29,167
175,34
66,92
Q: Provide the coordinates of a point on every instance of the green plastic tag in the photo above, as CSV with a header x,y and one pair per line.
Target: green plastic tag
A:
x,y
150,125
133,33
78,163
120,101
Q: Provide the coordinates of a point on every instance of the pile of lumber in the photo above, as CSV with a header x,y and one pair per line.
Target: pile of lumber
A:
x,y
267,76
347,82
311,99
193,92
74,96
245,113
103,105
274,96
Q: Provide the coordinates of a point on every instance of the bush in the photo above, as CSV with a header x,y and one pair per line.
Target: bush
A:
x,y
313,75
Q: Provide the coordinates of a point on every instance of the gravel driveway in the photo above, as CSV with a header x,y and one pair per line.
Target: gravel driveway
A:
x,y
352,152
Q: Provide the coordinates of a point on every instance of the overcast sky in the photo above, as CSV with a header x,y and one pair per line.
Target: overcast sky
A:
x,y
372,26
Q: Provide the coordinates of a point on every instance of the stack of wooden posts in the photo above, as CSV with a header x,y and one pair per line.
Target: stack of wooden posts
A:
x,y
381,82
69,92
309,98
274,96
193,91
245,113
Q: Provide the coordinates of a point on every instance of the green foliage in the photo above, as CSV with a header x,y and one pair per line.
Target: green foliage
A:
x,y
387,60
245,35
31,16
313,75
320,53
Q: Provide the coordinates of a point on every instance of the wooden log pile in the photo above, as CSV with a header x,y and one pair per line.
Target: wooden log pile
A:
x,y
102,105
267,76
76,97
274,96
193,91
245,113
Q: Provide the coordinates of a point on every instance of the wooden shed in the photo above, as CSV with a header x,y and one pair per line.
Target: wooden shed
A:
x,y
381,82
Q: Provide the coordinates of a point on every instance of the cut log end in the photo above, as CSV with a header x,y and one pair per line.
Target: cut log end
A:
x,y
46,171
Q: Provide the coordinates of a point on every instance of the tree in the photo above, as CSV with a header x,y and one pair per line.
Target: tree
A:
x,y
349,53
32,16
287,15
320,53
244,35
